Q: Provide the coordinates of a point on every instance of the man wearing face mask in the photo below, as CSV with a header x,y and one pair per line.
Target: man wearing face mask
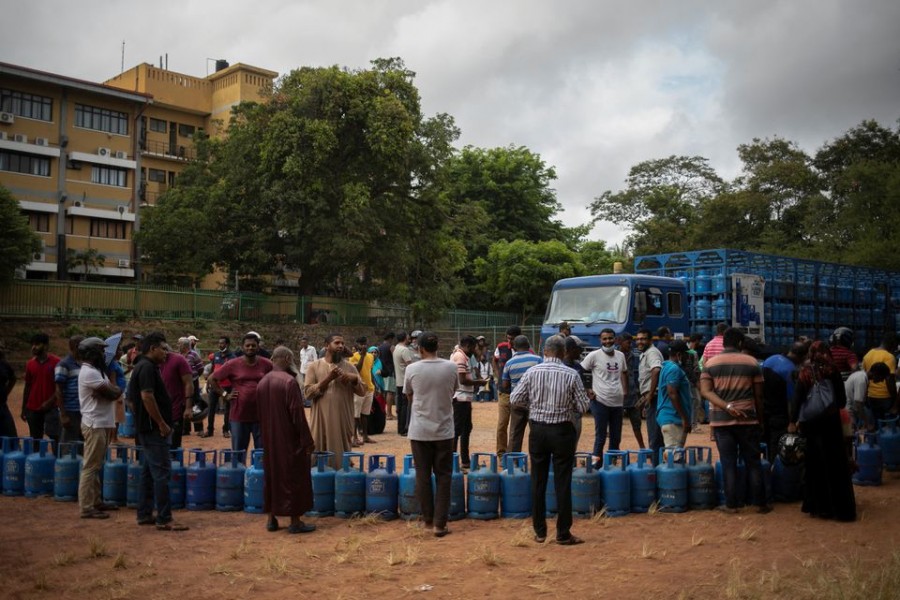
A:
x,y
609,387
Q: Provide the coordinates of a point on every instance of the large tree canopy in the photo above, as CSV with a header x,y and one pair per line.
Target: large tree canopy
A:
x,y
18,242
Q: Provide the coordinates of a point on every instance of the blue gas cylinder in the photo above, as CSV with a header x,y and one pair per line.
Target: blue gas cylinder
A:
x,y
740,486
322,476
720,308
115,475
869,460
457,492
39,470
350,486
585,487
382,486
702,493
702,308
230,481
14,455
126,429
702,283
133,476
484,487
515,486
177,479
67,472
254,483
616,483
550,504
201,479
672,480
787,481
642,479
889,440
408,503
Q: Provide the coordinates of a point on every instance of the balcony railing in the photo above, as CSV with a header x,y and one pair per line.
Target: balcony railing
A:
x,y
168,150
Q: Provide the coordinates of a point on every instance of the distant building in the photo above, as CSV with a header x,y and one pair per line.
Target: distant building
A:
x,y
84,158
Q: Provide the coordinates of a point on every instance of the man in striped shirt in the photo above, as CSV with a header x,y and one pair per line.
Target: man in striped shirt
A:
x,y
522,360
732,382
551,391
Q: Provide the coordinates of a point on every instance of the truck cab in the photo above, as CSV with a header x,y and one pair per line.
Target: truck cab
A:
x,y
619,302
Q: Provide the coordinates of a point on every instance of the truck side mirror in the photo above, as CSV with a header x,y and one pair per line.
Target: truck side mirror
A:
x,y
640,306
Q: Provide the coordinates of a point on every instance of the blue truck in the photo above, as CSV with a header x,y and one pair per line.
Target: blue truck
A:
x,y
774,298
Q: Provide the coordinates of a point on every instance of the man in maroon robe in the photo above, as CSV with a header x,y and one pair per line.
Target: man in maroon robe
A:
x,y
287,482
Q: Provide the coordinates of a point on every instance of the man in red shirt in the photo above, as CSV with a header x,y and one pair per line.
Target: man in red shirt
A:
x,y
177,377
715,346
39,398
245,373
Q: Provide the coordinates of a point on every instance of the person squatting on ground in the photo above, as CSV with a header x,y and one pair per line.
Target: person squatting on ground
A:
x,y
287,483
552,391
97,398
609,385
430,384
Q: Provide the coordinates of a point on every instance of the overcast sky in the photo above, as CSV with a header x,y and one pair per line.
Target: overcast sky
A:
x,y
593,87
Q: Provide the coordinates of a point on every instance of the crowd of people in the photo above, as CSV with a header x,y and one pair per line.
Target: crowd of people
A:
x,y
665,387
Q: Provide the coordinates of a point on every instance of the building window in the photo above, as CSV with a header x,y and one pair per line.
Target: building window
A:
x,y
157,175
30,106
101,119
24,163
675,303
109,176
70,225
186,130
158,125
39,222
105,228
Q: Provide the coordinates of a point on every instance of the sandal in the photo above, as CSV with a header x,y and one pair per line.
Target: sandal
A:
x,y
94,514
171,526
570,541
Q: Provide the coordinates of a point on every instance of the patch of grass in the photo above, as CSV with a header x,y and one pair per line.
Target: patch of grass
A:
x,y
119,563
365,521
522,538
412,554
240,550
486,555
220,570
276,564
347,548
96,547
600,515
654,508
393,558
749,533
646,551
40,582
696,540
63,559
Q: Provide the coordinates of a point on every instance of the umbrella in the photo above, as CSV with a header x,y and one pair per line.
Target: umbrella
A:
x,y
112,343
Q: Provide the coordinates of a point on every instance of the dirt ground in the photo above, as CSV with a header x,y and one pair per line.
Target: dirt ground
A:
x,y
46,551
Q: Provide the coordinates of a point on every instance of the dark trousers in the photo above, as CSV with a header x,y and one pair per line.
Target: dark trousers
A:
x,y
7,422
42,422
606,418
214,400
518,420
654,433
155,468
402,411
462,428
556,442
433,457
177,433
240,436
775,427
743,440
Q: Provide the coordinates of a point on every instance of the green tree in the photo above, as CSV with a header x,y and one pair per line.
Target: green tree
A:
x,y
661,202
598,259
86,261
519,275
18,242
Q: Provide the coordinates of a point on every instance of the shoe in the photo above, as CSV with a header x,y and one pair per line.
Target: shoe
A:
x,y
94,514
301,528
540,539
171,526
206,434
147,521
272,525
439,533
764,509
106,506
727,509
226,434
570,541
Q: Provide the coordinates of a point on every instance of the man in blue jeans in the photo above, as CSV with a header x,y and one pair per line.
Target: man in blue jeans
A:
x,y
153,426
609,386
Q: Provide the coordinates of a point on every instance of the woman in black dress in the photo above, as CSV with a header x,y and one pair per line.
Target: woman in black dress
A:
x,y
828,492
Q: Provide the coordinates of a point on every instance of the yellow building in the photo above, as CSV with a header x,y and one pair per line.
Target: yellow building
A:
x,y
84,158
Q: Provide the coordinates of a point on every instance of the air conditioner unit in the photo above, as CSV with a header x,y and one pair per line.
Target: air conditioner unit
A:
x,y
77,203
38,257
124,263
122,209
121,154
7,118
103,152
42,141
21,138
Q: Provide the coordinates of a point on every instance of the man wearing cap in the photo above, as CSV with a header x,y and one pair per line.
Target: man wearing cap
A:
x,y
674,400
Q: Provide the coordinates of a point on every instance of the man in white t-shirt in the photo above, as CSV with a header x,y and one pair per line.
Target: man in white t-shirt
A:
x,y
608,389
856,386
307,355
97,397
430,384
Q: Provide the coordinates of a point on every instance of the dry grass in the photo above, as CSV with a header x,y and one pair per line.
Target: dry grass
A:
x,y
40,582
96,547
365,521
346,548
646,552
408,555
600,516
276,564
522,538
240,550
749,533
696,540
120,563
487,556
654,508
63,559
221,570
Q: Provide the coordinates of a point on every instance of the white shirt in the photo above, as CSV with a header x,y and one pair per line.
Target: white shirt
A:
x,y
307,356
431,383
857,386
607,370
96,412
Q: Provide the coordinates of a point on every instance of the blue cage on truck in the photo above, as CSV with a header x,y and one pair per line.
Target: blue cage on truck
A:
x,y
800,297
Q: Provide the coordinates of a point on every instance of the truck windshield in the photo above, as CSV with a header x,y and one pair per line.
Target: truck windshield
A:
x,y
607,304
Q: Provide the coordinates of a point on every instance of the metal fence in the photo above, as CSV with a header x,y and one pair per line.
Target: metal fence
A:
x,y
76,299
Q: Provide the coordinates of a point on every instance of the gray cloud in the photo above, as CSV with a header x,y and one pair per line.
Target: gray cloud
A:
x,y
594,87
